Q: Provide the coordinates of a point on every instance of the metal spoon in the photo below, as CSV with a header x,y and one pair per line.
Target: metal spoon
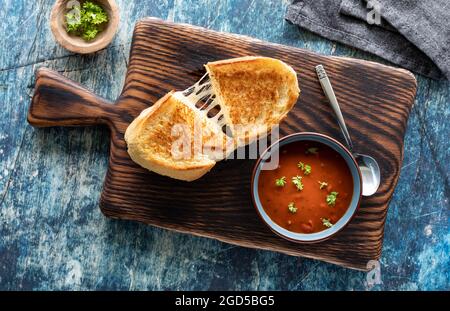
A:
x,y
370,171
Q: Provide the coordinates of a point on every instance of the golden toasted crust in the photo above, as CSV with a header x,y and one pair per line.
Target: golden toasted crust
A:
x,y
155,140
256,93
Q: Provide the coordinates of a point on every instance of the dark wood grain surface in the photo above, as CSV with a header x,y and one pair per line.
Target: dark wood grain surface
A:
x,y
375,100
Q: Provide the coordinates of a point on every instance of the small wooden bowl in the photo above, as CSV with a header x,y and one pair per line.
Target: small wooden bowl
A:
x,y
77,44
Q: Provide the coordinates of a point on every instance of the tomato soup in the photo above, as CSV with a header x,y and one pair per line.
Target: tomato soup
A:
x,y
309,191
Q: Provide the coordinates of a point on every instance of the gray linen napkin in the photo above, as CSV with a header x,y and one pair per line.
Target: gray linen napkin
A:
x,y
413,34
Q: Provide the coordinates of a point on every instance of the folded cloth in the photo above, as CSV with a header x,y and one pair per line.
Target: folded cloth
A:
x,y
413,34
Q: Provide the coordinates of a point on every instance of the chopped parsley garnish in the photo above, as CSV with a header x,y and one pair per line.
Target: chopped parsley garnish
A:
x,y
331,198
292,208
312,150
326,222
304,167
297,181
322,184
307,170
280,182
86,21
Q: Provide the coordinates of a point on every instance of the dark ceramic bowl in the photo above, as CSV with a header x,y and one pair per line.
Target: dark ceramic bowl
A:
x,y
343,221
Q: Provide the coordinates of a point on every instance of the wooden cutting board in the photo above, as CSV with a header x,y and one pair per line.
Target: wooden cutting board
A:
x,y
375,99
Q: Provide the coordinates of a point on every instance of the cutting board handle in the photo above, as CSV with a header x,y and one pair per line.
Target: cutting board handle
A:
x,y
59,101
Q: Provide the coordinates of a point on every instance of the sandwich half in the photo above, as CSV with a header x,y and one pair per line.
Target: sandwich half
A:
x,y
254,93
173,138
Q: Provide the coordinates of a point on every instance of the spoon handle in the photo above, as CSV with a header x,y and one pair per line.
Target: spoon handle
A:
x,y
329,93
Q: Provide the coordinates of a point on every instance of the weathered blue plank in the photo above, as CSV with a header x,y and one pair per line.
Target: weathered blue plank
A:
x,y
53,236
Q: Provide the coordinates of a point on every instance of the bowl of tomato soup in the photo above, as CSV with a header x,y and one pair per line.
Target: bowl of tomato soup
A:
x,y
306,187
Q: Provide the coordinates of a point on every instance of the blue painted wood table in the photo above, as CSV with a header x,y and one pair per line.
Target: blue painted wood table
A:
x,y
53,236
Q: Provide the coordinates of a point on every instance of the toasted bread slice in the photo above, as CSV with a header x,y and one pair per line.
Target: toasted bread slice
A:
x,y
165,139
255,94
